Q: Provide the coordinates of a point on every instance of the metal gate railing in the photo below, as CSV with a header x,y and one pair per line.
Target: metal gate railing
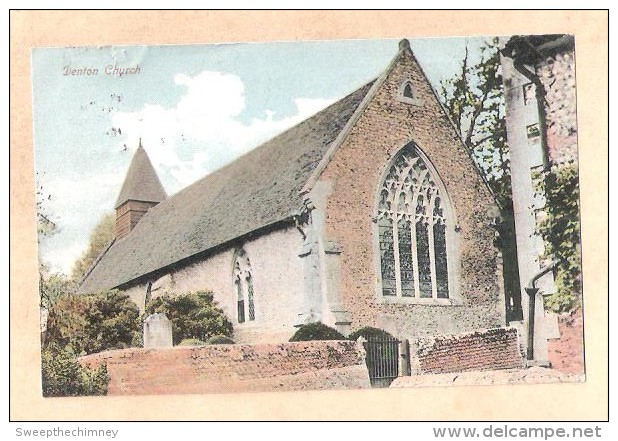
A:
x,y
382,359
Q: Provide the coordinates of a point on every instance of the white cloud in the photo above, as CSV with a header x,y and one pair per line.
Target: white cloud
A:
x,y
205,116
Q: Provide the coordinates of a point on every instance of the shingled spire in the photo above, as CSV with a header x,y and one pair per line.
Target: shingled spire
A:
x,y
141,191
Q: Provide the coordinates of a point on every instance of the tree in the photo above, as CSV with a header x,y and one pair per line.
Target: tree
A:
x,y
193,315
100,238
45,226
53,286
474,100
93,323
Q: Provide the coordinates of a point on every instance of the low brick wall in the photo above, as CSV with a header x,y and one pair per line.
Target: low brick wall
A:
x,y
488,349
566,353
234,368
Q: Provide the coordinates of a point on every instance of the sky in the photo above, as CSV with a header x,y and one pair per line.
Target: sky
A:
x,y
195,108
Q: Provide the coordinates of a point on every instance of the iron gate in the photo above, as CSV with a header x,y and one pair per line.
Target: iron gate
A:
x,y
382,359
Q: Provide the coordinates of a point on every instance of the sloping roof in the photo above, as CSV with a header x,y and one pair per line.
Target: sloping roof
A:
x,y
142,182
257,190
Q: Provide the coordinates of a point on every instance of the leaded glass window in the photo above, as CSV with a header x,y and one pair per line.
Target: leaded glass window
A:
x,y
243,282
412,229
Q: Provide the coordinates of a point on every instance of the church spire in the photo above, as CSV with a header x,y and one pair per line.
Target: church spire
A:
x,y
141,191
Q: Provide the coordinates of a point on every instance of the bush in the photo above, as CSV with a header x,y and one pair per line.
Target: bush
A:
x,y
316,331
193,315
138,340
62,375
191,342
220,340
369,333
93,323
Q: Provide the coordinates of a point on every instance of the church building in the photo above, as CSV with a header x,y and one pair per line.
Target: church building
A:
x,y
369,213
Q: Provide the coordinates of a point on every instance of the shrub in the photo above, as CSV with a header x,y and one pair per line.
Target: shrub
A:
x,y
191,342
316,331
93,323
220,340
62,375
369,333
138,340
193,315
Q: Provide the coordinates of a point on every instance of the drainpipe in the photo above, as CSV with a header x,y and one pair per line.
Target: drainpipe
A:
x,y
532,291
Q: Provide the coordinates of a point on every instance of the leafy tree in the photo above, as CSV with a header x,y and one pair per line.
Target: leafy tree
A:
x,y
193,315
62,375
53,286
93,323
474,100
100,238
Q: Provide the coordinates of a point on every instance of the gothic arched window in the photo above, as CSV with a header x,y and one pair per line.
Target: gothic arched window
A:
x,y
243,283
412,229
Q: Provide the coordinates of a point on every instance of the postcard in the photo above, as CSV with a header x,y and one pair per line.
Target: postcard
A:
x,y
396,214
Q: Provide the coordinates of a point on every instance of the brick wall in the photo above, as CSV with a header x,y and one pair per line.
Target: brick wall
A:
x,y
355,172
234,368
489,349
566,353
557,73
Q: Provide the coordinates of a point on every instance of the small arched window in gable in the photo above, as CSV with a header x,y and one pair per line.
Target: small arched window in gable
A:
x,y
243,284
407,90
412,231
407,93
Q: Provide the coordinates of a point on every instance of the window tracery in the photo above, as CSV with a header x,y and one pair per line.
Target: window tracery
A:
x,y
412,231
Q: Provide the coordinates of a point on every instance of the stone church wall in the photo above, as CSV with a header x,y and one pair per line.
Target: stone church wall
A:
x,y
277,276
355,172
557,73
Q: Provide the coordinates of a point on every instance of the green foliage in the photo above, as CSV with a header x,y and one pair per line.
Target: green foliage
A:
x,y
316,331
53,286
193,315
560,229
220,340
93,323
191,342
474,100
62,375
100,238
138,340
369,333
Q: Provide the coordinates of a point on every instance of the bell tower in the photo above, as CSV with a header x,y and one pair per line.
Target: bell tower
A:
x,y
141,191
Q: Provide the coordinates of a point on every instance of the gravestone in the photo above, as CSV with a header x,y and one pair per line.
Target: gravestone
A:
x,y
157,331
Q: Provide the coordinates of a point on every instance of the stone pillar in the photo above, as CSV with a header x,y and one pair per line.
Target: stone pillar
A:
x,y
157,331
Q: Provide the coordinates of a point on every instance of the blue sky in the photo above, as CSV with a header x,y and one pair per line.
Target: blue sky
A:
x,y
196,107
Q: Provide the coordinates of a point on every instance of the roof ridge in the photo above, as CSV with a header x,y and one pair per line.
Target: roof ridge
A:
x,y
268,141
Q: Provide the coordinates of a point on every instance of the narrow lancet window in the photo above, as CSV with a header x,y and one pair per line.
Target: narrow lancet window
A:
x,y
243,283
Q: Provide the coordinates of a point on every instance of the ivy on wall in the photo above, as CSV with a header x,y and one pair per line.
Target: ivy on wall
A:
x,y
559,226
